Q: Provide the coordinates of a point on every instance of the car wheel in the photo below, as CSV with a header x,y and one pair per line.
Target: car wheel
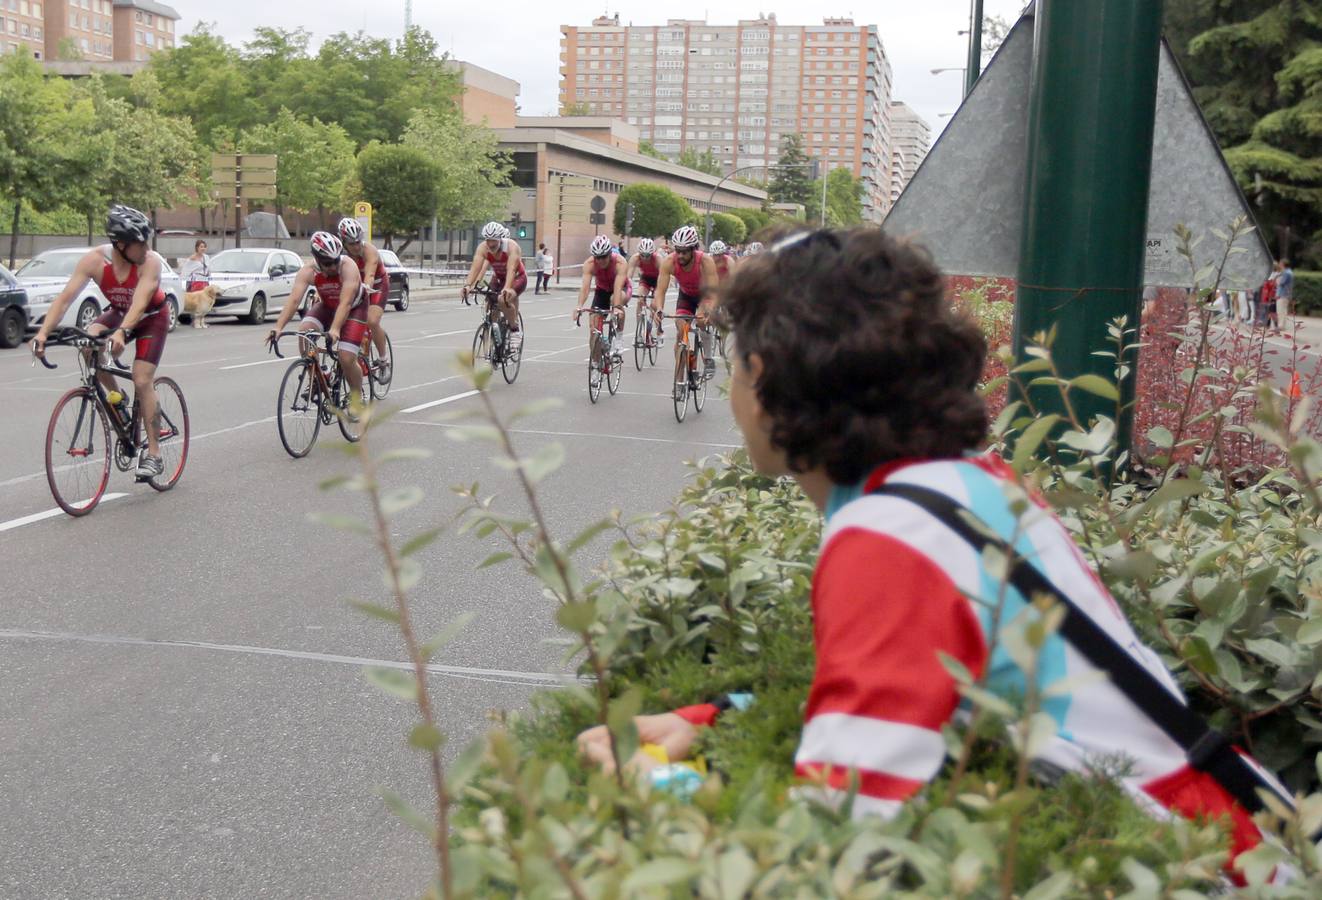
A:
x,y
87,314
403,302
12,325
257,312
172,310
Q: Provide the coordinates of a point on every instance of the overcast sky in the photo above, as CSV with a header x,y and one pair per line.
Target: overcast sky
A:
x,y
522,40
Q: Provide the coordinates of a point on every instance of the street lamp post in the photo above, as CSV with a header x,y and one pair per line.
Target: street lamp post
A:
x,y
974,68
711,198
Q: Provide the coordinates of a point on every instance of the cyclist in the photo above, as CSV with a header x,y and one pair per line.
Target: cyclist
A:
x,y
753,249
647,263
724,261
374,275
340,308
607,272
695,273
502,255
129,275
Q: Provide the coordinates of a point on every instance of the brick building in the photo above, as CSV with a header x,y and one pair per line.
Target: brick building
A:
x,y
142,27
911,138
23,27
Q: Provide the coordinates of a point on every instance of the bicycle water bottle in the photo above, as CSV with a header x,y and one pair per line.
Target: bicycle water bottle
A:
x,y
119,403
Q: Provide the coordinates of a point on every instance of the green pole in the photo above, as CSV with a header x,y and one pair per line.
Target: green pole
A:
x,y
974,68
1092,98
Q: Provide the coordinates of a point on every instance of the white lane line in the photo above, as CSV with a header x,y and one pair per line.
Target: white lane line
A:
x,y
504,676
587,434
423,337
414,387
260,362
439,402
205,362
48,514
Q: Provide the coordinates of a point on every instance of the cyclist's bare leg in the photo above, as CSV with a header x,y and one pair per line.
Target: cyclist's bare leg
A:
x,y
107,380
510,309
374,314
144,387
352,373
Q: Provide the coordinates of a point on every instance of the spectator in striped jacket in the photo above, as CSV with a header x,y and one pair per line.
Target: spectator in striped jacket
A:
x,y
876,383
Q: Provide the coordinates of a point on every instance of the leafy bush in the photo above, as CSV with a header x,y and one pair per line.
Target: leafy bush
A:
x,y
728,228
657,209
1308,293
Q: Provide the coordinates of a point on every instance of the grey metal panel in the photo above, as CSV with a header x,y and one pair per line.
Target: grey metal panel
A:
x,y
965,202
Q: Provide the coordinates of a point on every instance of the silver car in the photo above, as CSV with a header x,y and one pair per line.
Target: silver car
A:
x,y
253,281
46,274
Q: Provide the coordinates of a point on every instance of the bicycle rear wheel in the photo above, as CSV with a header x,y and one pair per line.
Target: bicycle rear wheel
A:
x,y
699,391
171,432
350,425
380,388
76,469
640,336
482,344
513,358
680,387
596,358
614,366
298,408
653,339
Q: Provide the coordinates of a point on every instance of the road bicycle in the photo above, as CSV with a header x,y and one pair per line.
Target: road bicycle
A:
x,y
314,392
375,361
77,466
492,342
688,381
604,362
646,335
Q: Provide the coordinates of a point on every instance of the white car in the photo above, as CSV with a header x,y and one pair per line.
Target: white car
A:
x,y
46,274
253,281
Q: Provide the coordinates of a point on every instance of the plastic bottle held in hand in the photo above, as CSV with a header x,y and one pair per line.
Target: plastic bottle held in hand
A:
x,y
119,403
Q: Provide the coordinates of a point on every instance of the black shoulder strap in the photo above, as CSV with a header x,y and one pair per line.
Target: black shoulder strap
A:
x,y
1206,748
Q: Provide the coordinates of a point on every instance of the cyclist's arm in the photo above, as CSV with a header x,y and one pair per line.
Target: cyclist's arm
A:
x,y
478,267
302,281
350,283
662,283
621,279
149,281
87,269
371,262
709,283
632,268
589,269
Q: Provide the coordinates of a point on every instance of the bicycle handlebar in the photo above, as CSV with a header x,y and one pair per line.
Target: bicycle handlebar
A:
x,y
275,344
72,335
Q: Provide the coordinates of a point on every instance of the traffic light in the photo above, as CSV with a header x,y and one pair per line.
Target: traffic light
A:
x,y
523,231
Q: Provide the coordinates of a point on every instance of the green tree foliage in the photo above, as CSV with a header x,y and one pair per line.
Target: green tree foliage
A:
x,y
792,181
705,161
473,183
205,80
657,209
1256,67
647,148
728,228
844,198
575,109
400,183
314,159
754,220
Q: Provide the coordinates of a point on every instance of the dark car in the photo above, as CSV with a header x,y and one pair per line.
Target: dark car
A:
x,y
13,310
399,279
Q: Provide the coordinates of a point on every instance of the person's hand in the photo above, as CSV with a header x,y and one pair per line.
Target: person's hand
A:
x,y
116,342
508,295
577,313
673,733
271,337
334,334
39,344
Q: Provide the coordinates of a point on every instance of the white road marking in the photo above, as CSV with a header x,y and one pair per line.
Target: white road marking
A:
x,y
260,362
439,402
48,514
504,676
587,434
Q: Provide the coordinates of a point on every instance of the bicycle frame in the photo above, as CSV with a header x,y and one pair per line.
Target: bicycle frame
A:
x,y
323,356
90,348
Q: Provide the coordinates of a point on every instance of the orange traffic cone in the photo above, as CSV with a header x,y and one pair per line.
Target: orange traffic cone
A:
x,y
1296,391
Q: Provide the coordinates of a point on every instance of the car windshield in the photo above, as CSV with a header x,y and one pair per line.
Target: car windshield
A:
x,y
51,265
389,258
239,262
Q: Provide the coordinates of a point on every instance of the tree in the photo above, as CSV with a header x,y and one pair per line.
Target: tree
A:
x,y
400,183
657,209
206,81
792,181
647,148
314,158
32,135
473,183
754,219
844,199
576,109
703,162
728,228
1256,67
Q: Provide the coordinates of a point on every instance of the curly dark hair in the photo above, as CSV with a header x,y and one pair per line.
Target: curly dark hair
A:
x,y
864,360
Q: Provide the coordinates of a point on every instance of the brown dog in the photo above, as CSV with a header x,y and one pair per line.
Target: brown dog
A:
x,y
198,303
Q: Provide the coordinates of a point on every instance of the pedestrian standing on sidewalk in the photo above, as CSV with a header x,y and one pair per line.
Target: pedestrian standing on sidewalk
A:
x,y
1267,305
542,274
1284,291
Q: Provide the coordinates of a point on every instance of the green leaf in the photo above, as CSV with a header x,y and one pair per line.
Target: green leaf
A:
x,y
340,522
1310,632
1057,886
555,786
581,539
546,460
659,873
410,573
460,772
464,433
576,617
410,816
400,499
1031,438
426,737
1160,436
393,681
736,871
376,610
536,407
417,542
446,634
404,453
494,559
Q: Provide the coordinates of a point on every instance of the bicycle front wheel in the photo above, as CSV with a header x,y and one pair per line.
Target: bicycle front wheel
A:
x,y
351,425
680,388
513,358
640,336
614,368
596,360
298,408
381,388
482,344
171,433
77,468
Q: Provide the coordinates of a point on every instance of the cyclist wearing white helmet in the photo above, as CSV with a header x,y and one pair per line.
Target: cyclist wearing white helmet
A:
x,y
695,273
502,255
646,262
128,273
340,309
374,275
753,249
609,272
723,259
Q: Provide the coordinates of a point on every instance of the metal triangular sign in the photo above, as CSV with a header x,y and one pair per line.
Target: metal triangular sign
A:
x,y
965,202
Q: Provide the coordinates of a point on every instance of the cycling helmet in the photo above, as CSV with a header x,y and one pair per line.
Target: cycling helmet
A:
x,y
753,249
351,231
494,231
684,238
601,246
646,247
124,223
718,248
326,248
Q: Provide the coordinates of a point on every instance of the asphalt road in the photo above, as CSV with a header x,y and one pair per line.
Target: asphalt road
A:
x,y
182,709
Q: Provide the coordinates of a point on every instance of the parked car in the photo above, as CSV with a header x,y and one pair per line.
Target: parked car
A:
x,y
399,279
253,281
13,310
46,274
